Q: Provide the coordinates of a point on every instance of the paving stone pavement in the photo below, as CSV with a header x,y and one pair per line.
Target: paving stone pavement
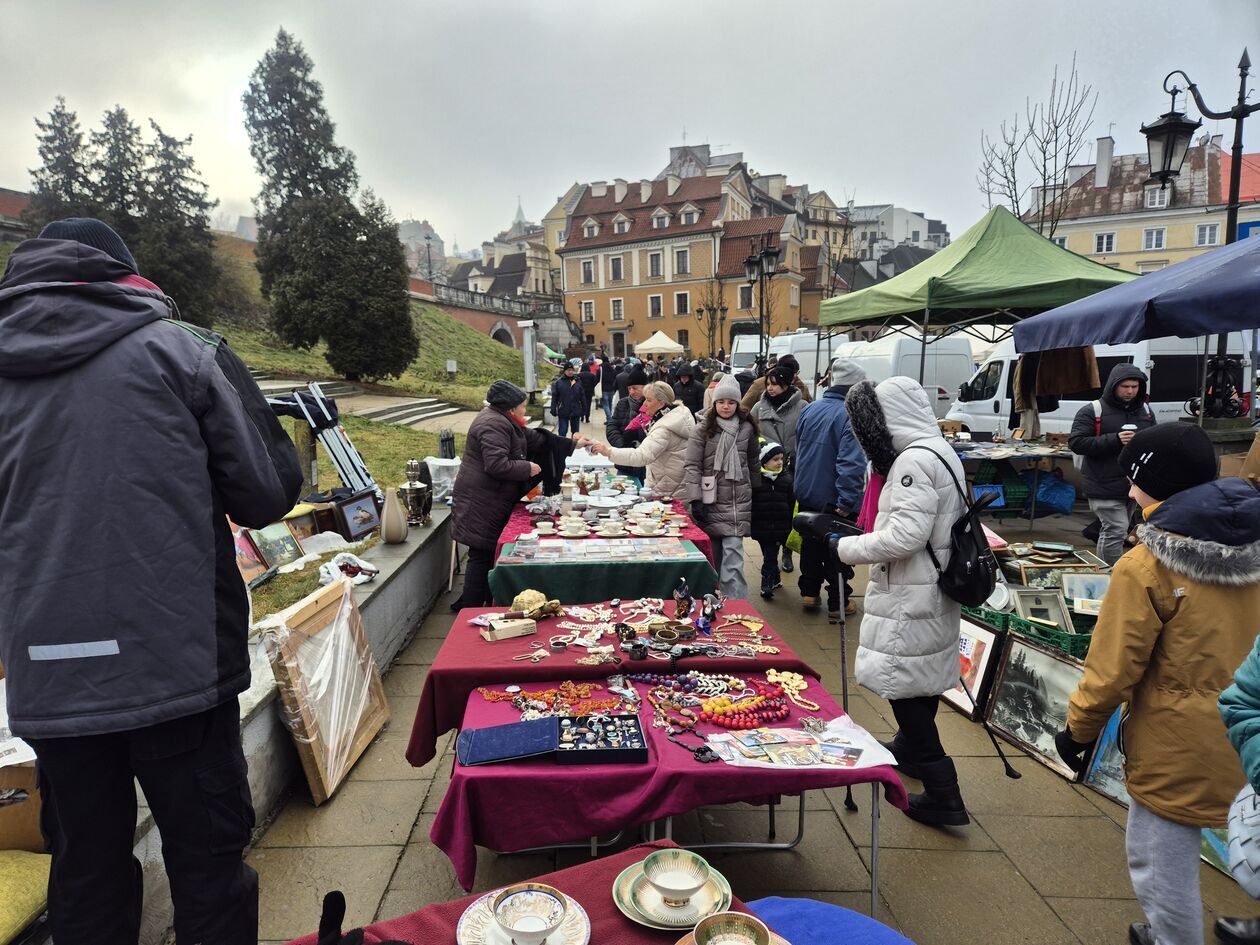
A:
x,y
1042,862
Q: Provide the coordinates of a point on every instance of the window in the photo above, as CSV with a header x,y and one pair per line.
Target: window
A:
x,y
590,339
618,310
985,384
659,223
1059,241
914,236
795,295
1148,267
684,338
590,230
655,309
1105,243
1153,238
682,262
1156,198
1207,234
1177,377
621,226
815,235
588,271
745,296
588,311
688,217
614,269
682,303
654,265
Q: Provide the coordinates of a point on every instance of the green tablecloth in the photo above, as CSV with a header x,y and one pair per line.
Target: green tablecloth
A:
x,y
589,582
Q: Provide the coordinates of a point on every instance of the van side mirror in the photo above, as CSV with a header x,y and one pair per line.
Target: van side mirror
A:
x,y
964,391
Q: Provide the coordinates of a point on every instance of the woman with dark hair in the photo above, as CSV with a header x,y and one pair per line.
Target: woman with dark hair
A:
x,y
723,466
495,472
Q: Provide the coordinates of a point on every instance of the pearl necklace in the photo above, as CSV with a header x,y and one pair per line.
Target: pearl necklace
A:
x,y
793,685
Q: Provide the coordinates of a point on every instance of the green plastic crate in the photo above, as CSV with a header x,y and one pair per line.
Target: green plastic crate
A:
x,y
1073,644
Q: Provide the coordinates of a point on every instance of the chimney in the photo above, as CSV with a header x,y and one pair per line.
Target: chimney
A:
x,y
672,183
645,190
619,190
599,188
487,252
1102,165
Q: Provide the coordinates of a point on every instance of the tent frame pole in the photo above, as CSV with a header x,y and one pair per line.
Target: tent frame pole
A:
x,y
927,314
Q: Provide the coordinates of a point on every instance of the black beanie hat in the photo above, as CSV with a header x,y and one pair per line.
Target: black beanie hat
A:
x,y
789,361
92,233
636,376
1165,459
782,374
505,395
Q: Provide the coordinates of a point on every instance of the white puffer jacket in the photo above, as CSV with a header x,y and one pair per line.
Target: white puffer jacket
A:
x,y
663,451
909,631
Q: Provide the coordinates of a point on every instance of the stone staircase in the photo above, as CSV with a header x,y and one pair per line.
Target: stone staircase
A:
x,y
272,386
404,411
411,411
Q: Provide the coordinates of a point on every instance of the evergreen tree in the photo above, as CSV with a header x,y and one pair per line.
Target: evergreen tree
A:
x,y
175,247
117,158
60,184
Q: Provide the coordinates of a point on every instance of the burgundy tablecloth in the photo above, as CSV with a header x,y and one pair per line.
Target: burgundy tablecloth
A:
x,y
466,661
521,522
517,805
589,883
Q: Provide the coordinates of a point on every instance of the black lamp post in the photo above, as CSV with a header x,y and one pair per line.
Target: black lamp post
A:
x,y
759,268
428,253
715,314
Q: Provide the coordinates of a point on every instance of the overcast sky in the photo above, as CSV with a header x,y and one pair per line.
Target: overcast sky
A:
x,y
454,108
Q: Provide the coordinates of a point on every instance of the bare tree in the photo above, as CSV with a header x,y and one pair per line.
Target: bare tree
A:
x,y
1001,172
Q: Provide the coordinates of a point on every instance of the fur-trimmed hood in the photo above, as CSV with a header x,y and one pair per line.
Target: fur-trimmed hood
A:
x,y
1210,533
889,417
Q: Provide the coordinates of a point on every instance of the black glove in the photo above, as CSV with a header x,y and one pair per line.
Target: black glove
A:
x,y
697,510
1074,754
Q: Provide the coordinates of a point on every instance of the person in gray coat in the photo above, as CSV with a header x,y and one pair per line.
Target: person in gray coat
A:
x,y
723,466
776,414
126,440
908,652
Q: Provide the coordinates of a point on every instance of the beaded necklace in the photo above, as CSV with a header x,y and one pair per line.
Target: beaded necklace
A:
x,y
793,685
567,691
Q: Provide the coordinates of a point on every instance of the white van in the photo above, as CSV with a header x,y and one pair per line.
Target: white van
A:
x,y
744,350
1174,366
946,364
812,349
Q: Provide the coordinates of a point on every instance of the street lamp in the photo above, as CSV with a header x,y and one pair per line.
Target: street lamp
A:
x,y
428,253
760,266
716,315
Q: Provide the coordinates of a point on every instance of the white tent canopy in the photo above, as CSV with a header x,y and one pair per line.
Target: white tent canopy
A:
x,y
659,343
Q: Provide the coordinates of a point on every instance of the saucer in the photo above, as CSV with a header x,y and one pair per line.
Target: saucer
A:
x,y
644,533
639,901
477,926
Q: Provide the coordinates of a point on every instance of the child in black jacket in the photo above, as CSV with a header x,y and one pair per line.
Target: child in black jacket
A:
x,y
772,504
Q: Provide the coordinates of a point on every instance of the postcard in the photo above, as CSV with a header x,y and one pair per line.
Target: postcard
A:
x,y
794,756
844,756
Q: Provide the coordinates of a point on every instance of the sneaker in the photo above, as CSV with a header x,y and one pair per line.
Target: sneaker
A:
x,y
767,593
850,608
809,603
777,585
786,563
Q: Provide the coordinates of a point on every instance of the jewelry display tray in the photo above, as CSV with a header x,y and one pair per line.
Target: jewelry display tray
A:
x,y
516,741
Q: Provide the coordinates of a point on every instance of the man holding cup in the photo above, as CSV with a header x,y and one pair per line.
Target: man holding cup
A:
x,y
1100,431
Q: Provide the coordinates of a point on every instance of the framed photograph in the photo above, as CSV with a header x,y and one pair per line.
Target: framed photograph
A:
x,y
357,515
1032,603
978,648
1029,703
249,562
302,527
1105,773
1091,559
1032,574
276,544
1085,585
1083,605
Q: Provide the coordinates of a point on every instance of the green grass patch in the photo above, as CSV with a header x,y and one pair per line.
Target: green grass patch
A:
x,y
6,250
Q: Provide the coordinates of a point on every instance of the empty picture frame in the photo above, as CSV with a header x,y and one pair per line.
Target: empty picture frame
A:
x,y
978,650
1034,603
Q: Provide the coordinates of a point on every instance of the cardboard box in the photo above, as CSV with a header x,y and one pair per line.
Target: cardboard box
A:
x,y
19,822
504,629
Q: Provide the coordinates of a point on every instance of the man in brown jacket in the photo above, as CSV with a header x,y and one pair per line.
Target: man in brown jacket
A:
x,y
1180,615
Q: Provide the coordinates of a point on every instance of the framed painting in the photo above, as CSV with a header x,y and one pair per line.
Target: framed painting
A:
x,y
249,561
302,527
1092,560
1105,773
1029,702
978,650
1042,606
276,544
1085,585
1046,575
357,515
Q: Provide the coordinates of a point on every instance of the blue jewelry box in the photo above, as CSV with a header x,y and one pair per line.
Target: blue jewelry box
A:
x,y
573,740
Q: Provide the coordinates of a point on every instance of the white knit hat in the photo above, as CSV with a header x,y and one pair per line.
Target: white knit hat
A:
x,y
727,389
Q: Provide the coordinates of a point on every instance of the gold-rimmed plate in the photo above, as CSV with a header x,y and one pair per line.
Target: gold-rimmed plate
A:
x,y
477,926
639,901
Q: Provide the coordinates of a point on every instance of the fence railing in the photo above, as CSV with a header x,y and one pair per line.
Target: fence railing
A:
x,y
494,303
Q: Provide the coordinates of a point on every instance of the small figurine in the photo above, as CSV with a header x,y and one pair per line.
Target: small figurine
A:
x,y
683,601
708,613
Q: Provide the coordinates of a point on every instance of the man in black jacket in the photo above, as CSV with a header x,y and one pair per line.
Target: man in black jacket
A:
x,y
126,440
688,390
1099,431
626,409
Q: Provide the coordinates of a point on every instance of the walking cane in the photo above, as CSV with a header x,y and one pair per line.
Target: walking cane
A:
x,y
1010,770
849,802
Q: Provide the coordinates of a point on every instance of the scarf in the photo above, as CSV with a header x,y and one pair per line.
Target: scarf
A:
x,y
726,460
777,402
771,474
520,421
870,503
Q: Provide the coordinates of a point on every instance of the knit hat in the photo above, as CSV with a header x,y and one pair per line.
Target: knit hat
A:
x,y
782,375
727,389
92,233
636,376
789,361
844,373
504,395
770,451
1165,459
685,371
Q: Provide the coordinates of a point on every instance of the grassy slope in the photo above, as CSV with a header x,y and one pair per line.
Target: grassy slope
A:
x,y
6,249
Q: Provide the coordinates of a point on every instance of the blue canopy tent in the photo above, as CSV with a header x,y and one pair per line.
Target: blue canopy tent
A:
x,y
1211,294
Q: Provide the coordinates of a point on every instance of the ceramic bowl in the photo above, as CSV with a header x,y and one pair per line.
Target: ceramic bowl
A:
x,y
529,912
731,928
676,874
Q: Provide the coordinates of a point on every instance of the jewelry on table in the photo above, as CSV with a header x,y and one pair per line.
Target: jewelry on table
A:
x,y
793,685
533,656
766,706
567,691
815,726
643,607
704,754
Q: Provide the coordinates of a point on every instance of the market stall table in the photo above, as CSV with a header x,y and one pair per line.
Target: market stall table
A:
x,y
589,883
517,805
466,661
971,452
582,581
521,522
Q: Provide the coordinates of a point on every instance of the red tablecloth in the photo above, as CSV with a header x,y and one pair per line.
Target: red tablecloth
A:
x,y
589,883
520,522
466,661
535,802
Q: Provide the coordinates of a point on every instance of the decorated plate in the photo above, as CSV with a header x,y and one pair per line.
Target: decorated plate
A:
x,y
628,893
477,926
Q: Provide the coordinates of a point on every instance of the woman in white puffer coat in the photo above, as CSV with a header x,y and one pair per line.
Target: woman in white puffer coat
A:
x,y
908,653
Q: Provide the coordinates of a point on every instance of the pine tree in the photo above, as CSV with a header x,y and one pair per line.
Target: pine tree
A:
x,y
117,181
175,247
60,184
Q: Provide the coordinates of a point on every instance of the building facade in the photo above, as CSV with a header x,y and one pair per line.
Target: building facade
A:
x,y
13,204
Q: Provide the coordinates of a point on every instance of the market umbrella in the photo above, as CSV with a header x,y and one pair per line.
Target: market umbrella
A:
x,y
659,343
1210,294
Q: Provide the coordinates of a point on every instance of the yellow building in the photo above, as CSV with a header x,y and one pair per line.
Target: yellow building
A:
x,y
1112,214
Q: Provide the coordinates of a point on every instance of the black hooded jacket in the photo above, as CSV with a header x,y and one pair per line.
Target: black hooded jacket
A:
x,y
126,439
1101,474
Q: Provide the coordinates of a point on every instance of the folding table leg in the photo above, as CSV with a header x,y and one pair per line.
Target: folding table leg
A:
x,y
875,850
770,808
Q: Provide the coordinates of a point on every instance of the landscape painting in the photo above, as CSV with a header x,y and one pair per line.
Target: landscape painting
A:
x,y
1030,699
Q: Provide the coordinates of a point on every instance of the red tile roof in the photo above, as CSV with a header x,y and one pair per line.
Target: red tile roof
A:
x,y
809,266
1249,183
735,241
13,203
704,192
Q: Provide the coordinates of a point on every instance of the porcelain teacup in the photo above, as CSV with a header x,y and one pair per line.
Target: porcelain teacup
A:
x,y
529,912
731,928
676,874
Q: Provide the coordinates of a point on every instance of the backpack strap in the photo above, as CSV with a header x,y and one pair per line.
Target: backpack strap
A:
x,y
967,504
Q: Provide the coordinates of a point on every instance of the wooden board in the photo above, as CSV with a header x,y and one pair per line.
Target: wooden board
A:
x,y
330,688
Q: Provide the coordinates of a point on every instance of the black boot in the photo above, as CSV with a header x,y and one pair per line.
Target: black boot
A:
x,y
907,764
1238,931
1140,934
941,803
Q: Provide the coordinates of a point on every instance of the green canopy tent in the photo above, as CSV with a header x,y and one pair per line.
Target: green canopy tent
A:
x,y
1000,269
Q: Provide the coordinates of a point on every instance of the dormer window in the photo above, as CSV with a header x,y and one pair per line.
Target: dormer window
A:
x,y
660,221
590,228
621,226
688,217
1156,198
